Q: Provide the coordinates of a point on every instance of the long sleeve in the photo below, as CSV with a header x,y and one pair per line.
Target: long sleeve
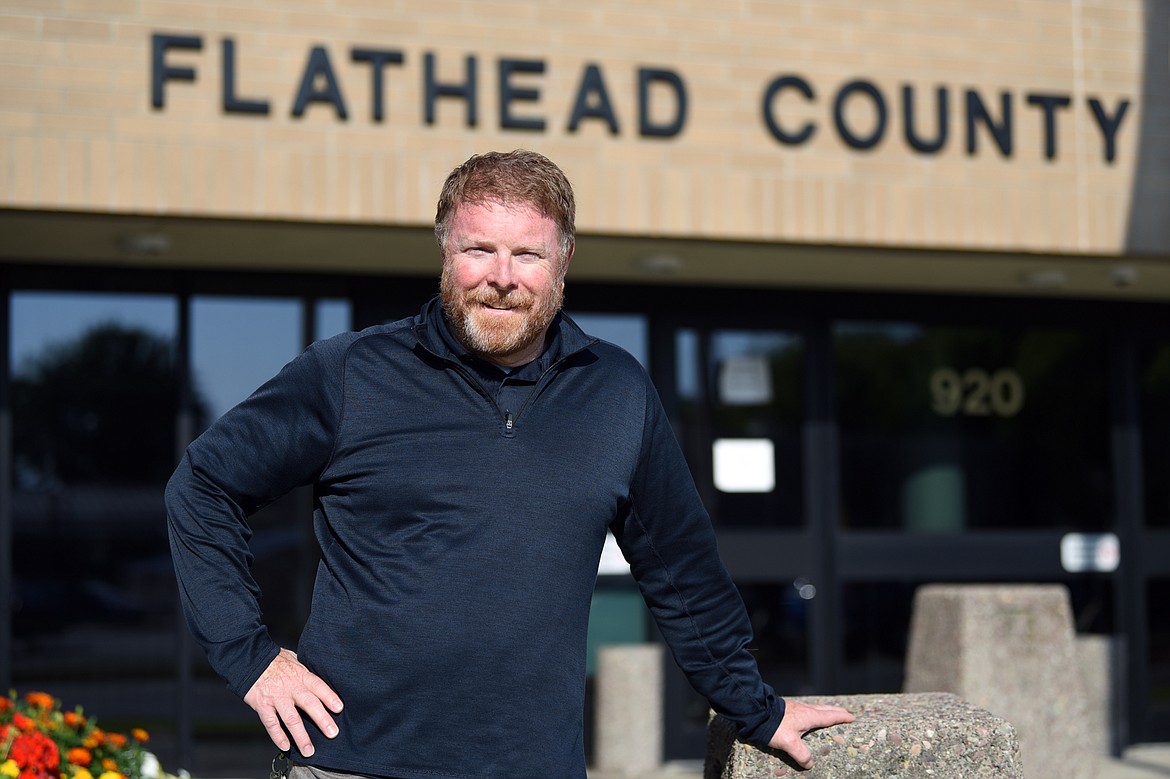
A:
x,y
279,438
666,535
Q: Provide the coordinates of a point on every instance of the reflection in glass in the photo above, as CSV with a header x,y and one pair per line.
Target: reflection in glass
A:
x,y
1154,373
629,331
876,629
948,428
780,613
1158,651
741,406
237,344
332,317
94,396
687,374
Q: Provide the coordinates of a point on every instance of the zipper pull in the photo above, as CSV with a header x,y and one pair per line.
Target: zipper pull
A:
x,y
508,421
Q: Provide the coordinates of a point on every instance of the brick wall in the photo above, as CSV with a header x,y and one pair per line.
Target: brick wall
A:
x,y
78,131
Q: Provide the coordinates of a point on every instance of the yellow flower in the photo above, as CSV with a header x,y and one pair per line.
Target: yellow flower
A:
x,y
82,773
111,775
10,768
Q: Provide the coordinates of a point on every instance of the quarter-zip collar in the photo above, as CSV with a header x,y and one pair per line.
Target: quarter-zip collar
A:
x,y
510,392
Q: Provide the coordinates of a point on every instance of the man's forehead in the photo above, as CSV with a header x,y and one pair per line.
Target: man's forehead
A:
x,y
508,204
488,214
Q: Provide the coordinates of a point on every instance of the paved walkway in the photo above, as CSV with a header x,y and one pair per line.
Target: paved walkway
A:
x,y
1144,761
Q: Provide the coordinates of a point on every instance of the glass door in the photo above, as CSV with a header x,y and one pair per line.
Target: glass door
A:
x,y
1150,638
93,388
849,462
967,453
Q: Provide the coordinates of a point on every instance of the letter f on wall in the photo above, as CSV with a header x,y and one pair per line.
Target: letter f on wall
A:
x,y
160,72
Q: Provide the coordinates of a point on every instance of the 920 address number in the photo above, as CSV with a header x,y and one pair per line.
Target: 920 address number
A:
x,y
976,393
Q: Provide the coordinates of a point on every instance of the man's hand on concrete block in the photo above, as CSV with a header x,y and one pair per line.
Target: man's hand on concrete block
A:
x,y
800,718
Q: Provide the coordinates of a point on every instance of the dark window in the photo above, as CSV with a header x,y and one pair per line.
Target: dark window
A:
x,y
1154,372
945,429
94,397
1158,653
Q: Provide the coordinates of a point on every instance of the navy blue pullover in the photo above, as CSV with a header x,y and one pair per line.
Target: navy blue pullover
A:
x,y
459,548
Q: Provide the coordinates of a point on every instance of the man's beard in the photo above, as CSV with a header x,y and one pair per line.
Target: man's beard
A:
x,y
493,337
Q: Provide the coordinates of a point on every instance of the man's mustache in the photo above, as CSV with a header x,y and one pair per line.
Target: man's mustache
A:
x,y
497,299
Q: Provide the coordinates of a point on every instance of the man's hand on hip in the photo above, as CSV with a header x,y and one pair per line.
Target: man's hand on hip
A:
x,y
800,718
283,691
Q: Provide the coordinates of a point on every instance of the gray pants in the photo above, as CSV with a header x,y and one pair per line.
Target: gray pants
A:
x,y
312,772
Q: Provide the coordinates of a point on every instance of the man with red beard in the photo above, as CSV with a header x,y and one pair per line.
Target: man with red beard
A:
x,y
466,464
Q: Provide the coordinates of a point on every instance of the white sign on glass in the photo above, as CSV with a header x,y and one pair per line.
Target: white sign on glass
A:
x,y
744,464
1080,552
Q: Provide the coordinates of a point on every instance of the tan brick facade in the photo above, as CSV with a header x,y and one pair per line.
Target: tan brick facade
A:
x,y
78,131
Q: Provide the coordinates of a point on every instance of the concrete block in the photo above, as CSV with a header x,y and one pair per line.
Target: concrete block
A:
x,y
935,735
1096,657
628,726
1011,650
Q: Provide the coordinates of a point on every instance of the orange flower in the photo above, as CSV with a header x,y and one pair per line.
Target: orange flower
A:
x,y
73,719
140,735
40,700
5,704
109,764
24,723
79,756
116,740
95,739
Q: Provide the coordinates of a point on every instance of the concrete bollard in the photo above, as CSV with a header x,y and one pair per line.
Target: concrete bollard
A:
x,y
1010,649
628,726
921,736
1098,658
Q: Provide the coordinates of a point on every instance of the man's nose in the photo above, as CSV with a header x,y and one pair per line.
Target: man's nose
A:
x,y
501,274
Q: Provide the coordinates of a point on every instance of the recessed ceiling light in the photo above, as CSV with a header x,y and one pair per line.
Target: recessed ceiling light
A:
x,y
659,264
144,244
1123,275
1044,279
